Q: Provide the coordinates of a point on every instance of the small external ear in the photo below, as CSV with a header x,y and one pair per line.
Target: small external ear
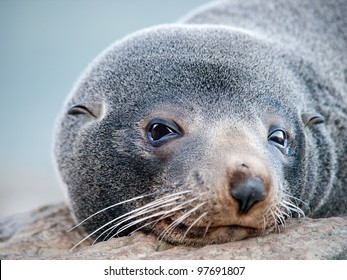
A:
x,y
92,108
311,118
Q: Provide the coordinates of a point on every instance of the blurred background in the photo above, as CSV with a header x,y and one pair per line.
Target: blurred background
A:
x,y
44,47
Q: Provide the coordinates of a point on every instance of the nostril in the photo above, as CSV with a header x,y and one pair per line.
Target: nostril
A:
x,y
247,193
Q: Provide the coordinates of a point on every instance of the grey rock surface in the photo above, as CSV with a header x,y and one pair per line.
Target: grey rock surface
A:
x,y
43,234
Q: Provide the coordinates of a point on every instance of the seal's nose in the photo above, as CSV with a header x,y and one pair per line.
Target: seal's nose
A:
x,y
247,193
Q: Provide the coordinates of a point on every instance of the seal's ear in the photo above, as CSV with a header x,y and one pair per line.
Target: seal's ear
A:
x,y
94,109
311,118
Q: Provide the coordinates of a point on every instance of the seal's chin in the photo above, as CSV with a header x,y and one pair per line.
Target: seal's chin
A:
x,y
200,236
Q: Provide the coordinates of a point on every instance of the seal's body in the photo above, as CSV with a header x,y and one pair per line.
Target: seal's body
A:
x,y
213,129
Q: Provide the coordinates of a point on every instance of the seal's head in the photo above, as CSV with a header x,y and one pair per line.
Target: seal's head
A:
x,y
185,132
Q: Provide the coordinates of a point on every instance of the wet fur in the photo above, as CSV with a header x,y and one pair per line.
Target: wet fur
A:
x,y
225,73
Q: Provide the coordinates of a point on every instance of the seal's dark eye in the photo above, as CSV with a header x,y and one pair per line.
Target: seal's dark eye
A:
x,y
279,137
160,131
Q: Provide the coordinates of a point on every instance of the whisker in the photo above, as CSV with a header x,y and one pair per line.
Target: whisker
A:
x,y
145,218
280,217
162,205
296,199
177,208
290,201
135,215
172,226
153,222
148,208
293,208
156,202
207,228
111,206
275,220
163,214
198,219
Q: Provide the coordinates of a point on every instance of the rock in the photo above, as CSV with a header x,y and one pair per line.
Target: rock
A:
x,y
43,234
39,234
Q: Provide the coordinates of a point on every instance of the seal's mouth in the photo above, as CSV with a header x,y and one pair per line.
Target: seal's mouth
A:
x,y
193,235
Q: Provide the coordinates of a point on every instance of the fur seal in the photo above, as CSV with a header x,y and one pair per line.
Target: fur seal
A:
x,y
213,129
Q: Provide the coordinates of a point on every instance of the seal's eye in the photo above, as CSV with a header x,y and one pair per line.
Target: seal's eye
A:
x,y
160,131
279,137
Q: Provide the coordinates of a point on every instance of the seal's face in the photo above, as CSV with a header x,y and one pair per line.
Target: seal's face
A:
x,y
183,132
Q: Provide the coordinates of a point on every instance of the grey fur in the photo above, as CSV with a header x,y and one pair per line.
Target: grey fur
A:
x,y
229,66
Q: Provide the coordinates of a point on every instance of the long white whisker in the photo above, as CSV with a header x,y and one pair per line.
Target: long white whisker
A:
x,y
177,208
199,218
123,202
139,221
292,207
280,216
206,230
135,215
161,218
133,211
275,220
150,207
141,213
111,206
171,227
153,222
296,199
